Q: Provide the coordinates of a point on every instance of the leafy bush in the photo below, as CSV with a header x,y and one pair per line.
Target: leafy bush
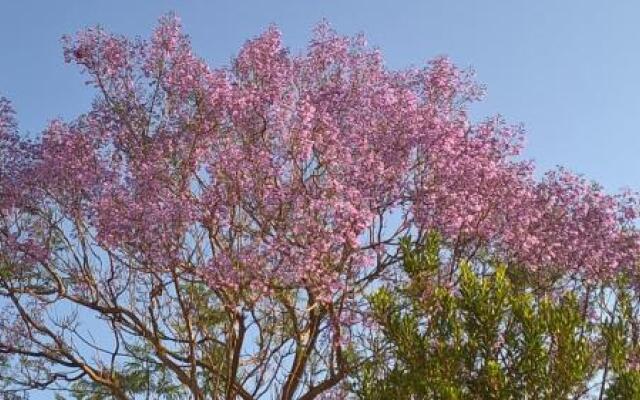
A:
x,y
492,333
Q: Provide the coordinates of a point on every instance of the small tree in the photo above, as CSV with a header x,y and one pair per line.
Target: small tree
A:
x,y
489,334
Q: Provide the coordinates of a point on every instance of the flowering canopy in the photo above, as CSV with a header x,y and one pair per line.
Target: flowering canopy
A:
x,y
299,170
226,224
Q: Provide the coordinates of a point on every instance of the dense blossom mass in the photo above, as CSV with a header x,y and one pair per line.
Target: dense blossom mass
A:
x,y
299,170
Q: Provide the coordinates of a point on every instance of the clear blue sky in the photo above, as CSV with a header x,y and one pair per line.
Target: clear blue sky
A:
x,y
568,70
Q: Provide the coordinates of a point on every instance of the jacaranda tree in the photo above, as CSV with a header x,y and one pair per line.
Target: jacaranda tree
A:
x,y
215,232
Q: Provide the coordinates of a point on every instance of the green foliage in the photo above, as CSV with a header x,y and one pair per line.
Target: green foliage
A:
x,y
141,377
620,333
626,386
475,333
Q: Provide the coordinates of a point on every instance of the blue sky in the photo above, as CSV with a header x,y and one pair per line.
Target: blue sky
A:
x,y
568,70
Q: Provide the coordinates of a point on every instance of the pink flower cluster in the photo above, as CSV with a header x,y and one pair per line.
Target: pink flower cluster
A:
x,y
279,168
